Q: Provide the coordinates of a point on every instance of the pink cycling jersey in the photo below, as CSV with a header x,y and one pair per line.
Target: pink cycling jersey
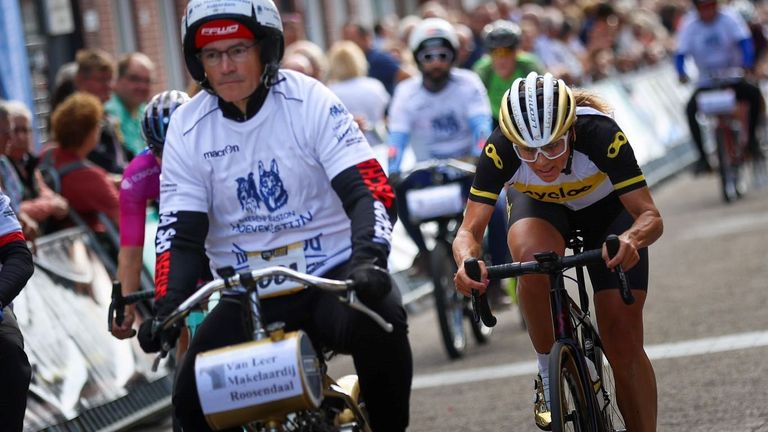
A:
x,y
141,183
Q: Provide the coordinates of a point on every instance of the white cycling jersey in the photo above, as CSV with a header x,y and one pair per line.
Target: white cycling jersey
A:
x,y
438,123
265,182
714,46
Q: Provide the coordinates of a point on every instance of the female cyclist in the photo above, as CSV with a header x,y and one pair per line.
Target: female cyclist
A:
x,y
141,185
569,166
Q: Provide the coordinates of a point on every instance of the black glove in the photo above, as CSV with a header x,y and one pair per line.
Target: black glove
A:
x,y
371,282
152,340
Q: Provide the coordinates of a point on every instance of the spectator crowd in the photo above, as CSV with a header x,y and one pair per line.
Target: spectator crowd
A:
x,y
98,102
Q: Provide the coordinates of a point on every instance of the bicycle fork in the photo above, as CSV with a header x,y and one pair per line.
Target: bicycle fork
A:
x,y
564,330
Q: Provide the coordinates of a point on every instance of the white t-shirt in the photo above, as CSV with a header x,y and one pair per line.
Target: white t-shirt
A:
x,y
438,123
265,182
714,46
365,97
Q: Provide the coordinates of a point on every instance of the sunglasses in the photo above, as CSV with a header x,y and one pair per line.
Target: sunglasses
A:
x,y
442,55
550,151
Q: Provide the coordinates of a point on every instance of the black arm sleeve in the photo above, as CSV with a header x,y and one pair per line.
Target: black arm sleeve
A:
x,y
16,271
369,202
180,248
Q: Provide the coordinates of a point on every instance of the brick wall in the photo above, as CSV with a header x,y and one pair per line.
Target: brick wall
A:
x,y
103,36
150,31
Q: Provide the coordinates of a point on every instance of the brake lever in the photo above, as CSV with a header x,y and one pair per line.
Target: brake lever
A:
x,y
612,245
116,306
354,303
156,363
481,310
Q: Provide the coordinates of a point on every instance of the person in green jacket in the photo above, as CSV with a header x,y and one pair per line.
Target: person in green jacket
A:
x,y
504,62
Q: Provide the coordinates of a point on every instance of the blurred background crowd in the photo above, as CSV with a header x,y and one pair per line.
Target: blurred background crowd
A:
x,y
90,128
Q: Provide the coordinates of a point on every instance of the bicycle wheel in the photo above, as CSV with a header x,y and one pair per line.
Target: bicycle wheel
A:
x,y
569,402
612,421
728,166
448,302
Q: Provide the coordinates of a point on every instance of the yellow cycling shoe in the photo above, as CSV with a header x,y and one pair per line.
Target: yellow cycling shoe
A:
x,y
541,413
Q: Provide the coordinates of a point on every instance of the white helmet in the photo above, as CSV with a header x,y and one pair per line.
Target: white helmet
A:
x,y
436,29
261,17
537,110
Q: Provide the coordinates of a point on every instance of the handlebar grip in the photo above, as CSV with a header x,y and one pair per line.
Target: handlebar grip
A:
x,y
138,296
612,245
481,310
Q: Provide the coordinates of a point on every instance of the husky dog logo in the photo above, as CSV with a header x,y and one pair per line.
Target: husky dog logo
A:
x,y
247,194
271,187
269,190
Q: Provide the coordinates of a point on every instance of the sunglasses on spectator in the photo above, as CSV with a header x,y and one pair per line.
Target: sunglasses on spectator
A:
x,y
21,129
443,55
550,151
502,52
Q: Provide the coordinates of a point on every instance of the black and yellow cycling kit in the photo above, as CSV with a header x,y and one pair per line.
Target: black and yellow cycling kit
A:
x,y
602,162
586,197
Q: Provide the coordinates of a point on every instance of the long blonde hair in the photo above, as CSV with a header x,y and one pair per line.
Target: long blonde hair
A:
x,y
589,99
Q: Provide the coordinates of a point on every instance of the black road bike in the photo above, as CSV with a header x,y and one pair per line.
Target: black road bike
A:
x,y
581,399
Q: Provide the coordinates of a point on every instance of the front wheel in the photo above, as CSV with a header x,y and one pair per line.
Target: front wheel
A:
x,y
612,421
448,302
569,402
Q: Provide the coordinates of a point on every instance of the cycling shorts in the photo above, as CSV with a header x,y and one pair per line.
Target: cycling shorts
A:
x,y
596,222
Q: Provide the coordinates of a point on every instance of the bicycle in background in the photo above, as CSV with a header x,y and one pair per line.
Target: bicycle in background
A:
x,y
729,118
581,386
438,197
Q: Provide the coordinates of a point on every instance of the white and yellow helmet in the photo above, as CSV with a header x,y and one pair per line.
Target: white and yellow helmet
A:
x,y
537,110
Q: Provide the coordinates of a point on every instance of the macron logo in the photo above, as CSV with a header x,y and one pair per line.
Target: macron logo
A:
x,y
220,31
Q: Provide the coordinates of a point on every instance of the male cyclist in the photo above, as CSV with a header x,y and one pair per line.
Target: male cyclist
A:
x,y
504,62
442,113
141,185
268,163
717,39
568,165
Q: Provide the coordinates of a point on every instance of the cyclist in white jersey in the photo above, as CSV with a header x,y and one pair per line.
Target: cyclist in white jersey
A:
x,y
718,40
442,113
267,167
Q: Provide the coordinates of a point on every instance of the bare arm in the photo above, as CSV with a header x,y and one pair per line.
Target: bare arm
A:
x,y
467,244
646,229
129,266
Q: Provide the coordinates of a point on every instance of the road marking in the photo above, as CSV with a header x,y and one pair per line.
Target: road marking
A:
x,y
655,352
